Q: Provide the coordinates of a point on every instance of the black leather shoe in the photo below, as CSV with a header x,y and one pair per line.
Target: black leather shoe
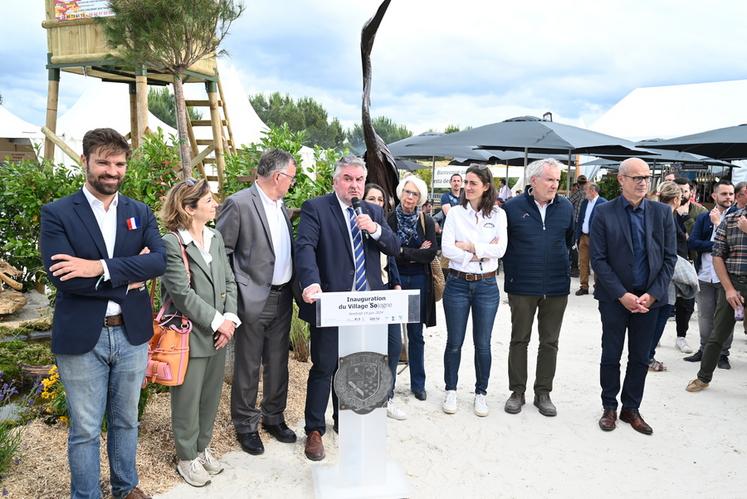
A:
x,y
696,357
251,443
544,404
723,362
281,432
634,419
607,421
582,291
420,394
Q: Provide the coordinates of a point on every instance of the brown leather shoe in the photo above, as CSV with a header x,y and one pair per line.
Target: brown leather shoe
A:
x,y
314,446
607,421
136,493
634,419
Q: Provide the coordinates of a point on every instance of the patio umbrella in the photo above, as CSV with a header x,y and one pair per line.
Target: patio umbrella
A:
x,y
531,134
721,143
406,164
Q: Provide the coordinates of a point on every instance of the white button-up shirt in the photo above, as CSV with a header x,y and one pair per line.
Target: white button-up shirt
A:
x,y
107,222
207,237
465,224
587,216
707,273
281,243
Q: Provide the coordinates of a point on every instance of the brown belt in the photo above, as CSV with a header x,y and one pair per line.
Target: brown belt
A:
x,y
113,320
471,277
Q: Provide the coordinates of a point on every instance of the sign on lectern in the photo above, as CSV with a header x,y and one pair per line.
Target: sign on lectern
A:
x,y
362,384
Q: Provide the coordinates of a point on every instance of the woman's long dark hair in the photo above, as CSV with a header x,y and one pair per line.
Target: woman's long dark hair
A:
x,y
387,207
487,201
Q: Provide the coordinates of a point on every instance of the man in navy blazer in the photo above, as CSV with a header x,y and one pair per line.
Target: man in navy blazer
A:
x,y
583,229
633,253
329,257
99,247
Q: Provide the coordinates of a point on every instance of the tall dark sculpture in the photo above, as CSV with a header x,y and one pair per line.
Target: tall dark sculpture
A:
x,y
379,160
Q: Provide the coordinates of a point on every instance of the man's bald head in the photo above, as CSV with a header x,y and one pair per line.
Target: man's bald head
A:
x,y
629,164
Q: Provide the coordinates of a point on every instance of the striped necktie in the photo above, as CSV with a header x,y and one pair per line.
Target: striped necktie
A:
x,y
358,254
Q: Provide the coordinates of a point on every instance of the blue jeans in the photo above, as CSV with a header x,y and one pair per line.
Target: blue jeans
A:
x,y
394,351
106,379
482,297
661,322
415,342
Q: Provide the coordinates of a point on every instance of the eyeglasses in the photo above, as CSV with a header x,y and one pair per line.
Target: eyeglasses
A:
x,y
291,177
406,192
639,180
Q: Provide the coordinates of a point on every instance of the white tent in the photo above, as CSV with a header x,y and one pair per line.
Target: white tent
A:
x,y
104,105
671,111
17,136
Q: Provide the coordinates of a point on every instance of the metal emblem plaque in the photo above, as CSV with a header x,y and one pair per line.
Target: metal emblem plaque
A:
x,y
363,381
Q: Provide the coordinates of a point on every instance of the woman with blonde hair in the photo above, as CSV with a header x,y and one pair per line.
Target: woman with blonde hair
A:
x,y
207,296
416,232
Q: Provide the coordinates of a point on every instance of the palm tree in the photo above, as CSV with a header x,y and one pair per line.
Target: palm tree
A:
x,y
170,36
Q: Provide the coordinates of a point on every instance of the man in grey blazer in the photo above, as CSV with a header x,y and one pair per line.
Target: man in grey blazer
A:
x,y
258,236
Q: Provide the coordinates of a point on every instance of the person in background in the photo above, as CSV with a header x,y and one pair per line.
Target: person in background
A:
x,y
504,192
687,212
417,238
428,210
583,229
540,233
98,247
374,194
258,236
451,197
701,241
633,254
207,296
576,197
473,240
670,195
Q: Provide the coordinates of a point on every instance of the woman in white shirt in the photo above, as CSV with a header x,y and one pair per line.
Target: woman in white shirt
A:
x,y
474,238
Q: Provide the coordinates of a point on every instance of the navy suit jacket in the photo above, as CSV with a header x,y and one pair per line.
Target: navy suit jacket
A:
x,y
611,249
700,237
68,226
323,252
582,215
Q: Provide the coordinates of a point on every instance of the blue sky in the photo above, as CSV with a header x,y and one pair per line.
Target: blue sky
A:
x,y
438,62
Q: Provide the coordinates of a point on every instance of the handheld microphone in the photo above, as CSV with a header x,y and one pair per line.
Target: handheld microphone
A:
x,y
356,203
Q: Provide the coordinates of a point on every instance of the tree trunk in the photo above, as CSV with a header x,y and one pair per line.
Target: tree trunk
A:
x,y
181,126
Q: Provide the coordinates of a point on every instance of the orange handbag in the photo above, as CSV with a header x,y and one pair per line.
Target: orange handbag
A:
x,y
168,350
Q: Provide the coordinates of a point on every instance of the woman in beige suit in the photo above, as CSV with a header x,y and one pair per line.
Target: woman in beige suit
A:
x,y
208,297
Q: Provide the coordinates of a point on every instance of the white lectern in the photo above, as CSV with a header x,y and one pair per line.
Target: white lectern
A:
x,y
363,380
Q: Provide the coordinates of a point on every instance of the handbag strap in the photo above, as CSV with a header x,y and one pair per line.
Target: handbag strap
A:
x,y
166,304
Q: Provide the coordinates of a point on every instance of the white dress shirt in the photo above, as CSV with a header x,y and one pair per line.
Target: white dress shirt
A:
x,y
107,222
707,273
207,237
465,224
587,216
281,242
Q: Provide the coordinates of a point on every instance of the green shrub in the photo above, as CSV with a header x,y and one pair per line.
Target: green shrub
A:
x,y
16,352
26,186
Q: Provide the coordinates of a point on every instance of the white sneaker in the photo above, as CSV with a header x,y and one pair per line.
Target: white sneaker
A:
x,y
450,402
209,462
193,472
682,345
481,405
395,412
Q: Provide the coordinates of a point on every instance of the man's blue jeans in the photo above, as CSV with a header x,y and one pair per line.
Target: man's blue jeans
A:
x,y
482,297
105,380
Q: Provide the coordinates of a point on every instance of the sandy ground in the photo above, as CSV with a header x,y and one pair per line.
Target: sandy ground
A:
x,y
698,449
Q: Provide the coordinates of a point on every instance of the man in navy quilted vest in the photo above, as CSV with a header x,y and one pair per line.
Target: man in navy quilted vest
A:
x,y
537,280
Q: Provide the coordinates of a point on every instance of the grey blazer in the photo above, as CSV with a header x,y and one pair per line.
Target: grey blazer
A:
x,y
211,289
246,233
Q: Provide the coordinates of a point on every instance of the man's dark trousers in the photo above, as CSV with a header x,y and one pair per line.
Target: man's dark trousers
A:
x,y
324,354
616,320
723,326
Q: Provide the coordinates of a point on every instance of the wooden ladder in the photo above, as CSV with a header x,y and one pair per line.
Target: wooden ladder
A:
x,y
214,149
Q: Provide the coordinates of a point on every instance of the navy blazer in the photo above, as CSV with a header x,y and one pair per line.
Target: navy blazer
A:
x,y
700,237
68,226
611,249
323,252
582,215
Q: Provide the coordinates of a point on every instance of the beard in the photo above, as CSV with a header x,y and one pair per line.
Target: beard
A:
x,y
100,187
684,200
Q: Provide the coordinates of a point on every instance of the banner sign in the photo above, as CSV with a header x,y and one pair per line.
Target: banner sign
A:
x,y
66,10
368,307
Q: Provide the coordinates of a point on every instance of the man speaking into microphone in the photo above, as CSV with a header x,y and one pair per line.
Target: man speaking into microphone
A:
x,y
339,246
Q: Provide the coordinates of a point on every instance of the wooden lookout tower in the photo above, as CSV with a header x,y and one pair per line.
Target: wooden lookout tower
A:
x,y
77,44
